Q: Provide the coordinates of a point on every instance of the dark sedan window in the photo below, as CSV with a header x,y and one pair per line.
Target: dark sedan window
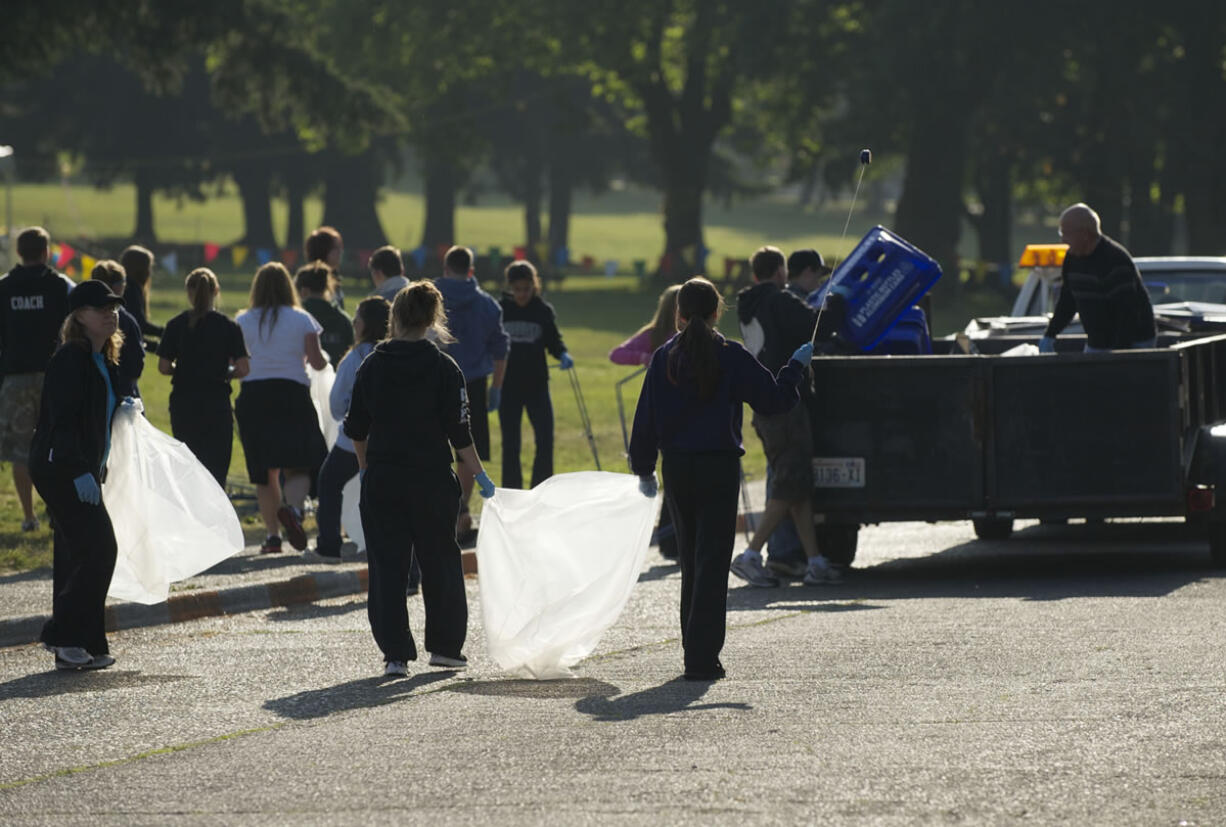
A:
x,y
1167,286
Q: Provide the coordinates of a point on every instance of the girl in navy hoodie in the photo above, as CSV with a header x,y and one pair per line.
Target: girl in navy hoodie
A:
x,y
689,411
533,327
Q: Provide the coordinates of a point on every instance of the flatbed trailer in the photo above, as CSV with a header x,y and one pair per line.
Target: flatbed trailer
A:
x,y
995,438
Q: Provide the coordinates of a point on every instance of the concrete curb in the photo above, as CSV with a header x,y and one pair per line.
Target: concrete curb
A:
x,y
192,605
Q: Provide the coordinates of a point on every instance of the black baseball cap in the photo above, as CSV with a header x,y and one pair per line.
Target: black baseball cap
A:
x,y
801,260
92,293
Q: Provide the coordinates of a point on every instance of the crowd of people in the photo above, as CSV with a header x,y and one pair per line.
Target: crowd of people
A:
x,y
418,368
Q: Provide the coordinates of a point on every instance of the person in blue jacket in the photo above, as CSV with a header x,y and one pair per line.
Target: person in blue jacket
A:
x,y
480,349
68,458
370,324
689,414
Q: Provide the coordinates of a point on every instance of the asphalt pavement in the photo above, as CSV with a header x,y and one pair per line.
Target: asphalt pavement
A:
x,y
1070,674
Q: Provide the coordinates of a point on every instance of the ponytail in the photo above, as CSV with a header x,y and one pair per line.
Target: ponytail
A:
x,y
696,346
202,286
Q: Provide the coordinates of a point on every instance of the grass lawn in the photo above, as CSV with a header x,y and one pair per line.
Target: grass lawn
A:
x,y
595,313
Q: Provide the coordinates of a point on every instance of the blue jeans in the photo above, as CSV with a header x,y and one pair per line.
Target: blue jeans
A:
x,y
540,414
338,468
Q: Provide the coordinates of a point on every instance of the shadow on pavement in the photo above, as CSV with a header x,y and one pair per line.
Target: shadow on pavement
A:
x,y
1039,563
521,688
659,571
64,682
312,611
677,695
364,693
22,576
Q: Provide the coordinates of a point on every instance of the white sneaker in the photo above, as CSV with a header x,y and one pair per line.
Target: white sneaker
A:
x,y
99,662
821,573
71,657
748,566
451,663
395,668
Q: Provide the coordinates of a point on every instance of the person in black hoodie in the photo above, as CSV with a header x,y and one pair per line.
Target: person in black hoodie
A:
x,y
132,354
774,322
689,411
408,409
137,263
533,327
33,304
68,460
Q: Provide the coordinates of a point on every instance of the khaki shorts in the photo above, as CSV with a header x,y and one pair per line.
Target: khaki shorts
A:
x,y
20,396
788,443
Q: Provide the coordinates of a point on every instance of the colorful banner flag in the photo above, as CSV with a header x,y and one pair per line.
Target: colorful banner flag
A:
x,y
87,266
542,251
496,258
419,256
171,262
561,257
238,254
640,267
689,256
65,255
520,253
289,258
610,267
588,263
263,256
211,251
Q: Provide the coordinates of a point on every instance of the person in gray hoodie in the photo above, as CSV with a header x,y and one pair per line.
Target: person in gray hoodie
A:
x,y
480,349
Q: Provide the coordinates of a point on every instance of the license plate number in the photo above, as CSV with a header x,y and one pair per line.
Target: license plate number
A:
x,y
838,472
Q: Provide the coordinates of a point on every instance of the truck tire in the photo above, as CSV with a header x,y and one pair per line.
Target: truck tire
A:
x,y
993,528
1217,544
837,543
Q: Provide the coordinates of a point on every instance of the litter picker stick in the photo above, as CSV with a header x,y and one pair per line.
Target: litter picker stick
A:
x,y
866,158
583,417
621,410
750,526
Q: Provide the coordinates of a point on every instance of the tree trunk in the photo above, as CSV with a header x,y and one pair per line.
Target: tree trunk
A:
x,y
441,184
532,213
994,183
255,188
144,232
351,189
1199,157
295,228
561,184
929,211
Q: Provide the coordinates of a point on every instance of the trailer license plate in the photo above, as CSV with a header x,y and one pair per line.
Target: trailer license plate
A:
x,y
838,472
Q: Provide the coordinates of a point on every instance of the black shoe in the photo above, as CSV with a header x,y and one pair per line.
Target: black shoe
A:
x,y
711,674
272,545
291,521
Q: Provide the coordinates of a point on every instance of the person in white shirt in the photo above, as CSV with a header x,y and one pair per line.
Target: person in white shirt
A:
x,y
277,422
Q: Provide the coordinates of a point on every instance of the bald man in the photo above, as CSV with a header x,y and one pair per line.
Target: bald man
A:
x,y
1101,283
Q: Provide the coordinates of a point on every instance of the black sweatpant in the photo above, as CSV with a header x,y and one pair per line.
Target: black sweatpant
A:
x,y
407,513
205,424
84,559
538,405
701,490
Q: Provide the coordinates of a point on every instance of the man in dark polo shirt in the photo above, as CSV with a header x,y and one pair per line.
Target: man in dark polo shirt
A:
x,y
1100,282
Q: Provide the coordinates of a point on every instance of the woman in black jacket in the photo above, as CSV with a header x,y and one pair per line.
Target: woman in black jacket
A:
x,y
68,459
408,410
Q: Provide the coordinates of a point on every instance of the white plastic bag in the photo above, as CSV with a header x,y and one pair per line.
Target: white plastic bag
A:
x,y
557,565
1024,349
172,520
351,516
321,387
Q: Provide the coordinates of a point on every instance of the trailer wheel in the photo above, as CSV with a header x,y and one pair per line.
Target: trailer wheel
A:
x,y
1217,544
837,543
993,528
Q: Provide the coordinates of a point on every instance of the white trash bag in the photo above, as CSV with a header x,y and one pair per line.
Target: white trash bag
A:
x,y
557,565
1024,349
172,520
351,516
321,387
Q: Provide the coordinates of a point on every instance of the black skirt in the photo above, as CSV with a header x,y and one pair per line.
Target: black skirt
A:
x,y
278,427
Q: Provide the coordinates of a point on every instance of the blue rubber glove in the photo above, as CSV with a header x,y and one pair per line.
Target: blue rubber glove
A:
x,y
804,354
486,485
1047,344
87,489
494,399
567,362
648,486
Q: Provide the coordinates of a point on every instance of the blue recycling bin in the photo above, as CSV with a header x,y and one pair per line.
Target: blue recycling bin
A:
x,y
880,280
